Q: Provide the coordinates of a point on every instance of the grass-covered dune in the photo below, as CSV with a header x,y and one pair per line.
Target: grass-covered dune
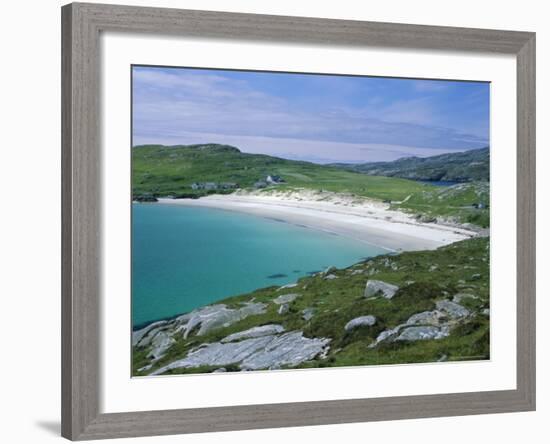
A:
x,y
443,293
160,171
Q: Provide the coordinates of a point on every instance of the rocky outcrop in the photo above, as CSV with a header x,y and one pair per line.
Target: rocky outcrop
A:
x,y
380,288
160,343
435,324
158,337
255,332
217,316
265,352
285,298
423,333
361,321
452,309
138,335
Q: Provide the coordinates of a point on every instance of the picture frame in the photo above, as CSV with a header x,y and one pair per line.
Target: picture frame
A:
x,y
81,234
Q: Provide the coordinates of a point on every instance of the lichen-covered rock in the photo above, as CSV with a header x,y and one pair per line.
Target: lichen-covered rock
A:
x,y
433,318
453,309
138,335
285,298
361,321
375,288
255,332
273,351
422,333
161,342
217,316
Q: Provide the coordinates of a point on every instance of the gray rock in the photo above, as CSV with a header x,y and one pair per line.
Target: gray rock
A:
x,y
422,333
285,298
329,270
255,332
283,309
476,276
433,267
485,312
289,349
361,321
308,313
220,370
354,272
375,288
331,277
217,316
453,309
287,286
433,318
160,343
139,334
386,335
459,297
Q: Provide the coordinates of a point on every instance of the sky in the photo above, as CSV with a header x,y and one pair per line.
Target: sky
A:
x,y
318,118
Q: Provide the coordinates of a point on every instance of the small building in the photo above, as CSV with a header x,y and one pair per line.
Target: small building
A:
x,y
273,179
210,186
228,185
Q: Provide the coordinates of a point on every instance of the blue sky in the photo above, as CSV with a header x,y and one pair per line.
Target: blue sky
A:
x,y
319,118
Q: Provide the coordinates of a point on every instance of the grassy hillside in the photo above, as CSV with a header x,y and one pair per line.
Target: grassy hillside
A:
x,y
159,170
458,272
467,166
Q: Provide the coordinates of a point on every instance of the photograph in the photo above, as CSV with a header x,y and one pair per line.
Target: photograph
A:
x,y
285,221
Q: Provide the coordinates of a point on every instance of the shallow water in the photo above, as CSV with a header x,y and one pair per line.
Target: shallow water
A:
x,y
186,257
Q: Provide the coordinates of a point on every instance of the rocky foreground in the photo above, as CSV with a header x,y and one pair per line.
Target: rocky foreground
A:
x,y
413,307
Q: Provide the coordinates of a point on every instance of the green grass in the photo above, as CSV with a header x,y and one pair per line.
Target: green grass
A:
x,y
159,171
423,277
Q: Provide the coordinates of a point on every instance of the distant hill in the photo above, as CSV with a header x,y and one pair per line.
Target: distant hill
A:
x,y
467,166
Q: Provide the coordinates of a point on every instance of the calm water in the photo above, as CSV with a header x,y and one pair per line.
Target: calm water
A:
x,y
183,258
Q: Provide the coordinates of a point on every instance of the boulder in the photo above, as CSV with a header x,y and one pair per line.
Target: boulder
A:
x,y
138,335
453,309
422,333
361,321
433,318
159,344
285,298
331,277
217,316
255,332
308,313
375,288
283,309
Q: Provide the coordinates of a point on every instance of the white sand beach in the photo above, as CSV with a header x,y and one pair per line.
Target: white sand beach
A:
x,y
357,218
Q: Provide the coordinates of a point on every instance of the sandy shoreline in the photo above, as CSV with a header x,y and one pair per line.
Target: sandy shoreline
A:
x,y
366,221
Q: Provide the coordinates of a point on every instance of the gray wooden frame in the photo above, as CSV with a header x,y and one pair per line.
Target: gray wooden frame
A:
x,y
81,165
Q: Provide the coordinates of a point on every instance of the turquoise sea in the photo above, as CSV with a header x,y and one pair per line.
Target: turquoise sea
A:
x,y
186,257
